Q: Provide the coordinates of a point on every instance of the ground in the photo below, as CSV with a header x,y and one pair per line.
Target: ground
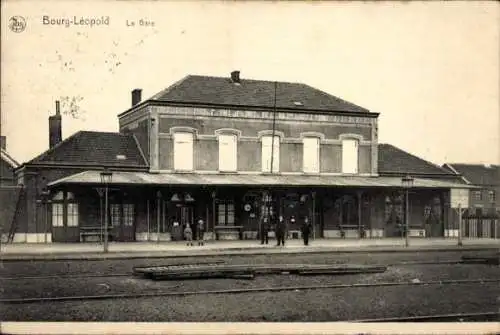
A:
x,y
417,275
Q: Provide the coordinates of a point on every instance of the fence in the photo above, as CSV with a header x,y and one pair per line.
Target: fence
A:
x,y
474,227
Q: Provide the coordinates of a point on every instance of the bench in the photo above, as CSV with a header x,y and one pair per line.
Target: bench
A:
x,y
352,227
98,232
228,232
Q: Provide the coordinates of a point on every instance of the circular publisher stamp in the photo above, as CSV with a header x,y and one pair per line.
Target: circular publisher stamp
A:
x,y
17,24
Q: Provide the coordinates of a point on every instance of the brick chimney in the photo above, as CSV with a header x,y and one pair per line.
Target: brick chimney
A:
x,y
3,142
55,127
136,96
235,76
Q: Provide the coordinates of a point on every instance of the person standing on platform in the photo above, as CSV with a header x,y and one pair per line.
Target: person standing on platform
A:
x,y
188,234
306,230
281,231
200,230
264,231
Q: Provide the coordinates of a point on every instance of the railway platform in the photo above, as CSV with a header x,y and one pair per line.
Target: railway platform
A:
x,y
153,249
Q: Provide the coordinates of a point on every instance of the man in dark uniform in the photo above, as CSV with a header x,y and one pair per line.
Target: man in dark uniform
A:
x,y
200,230
280,230
264,231
306,230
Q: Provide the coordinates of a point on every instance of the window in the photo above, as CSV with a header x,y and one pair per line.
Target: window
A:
x,y
72,215
350,156
491,196
267,149
225,213
478,195
311,155
115,215
57,215
183,151
128,215
228,157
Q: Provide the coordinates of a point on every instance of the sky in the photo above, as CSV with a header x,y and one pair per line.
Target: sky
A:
x,y
431,69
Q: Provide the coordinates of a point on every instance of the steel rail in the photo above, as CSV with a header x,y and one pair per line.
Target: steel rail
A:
x,y
439,317
240,291
94,275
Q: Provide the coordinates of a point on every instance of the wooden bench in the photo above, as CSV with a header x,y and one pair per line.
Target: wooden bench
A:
x,y
93,232
360,229
228,232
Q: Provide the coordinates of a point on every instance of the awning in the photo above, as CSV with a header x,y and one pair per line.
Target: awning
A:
x,y
236,179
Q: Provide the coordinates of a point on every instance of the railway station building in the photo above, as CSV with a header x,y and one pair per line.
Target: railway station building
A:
x,y
226,150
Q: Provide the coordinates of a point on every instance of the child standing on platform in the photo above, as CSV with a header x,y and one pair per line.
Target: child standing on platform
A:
x,y
188,235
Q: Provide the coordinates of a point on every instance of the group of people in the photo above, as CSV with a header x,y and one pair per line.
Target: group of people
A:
x,y
279,225
280,229
199,228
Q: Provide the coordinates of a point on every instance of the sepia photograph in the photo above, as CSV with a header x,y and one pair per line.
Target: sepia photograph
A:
x,y
250,167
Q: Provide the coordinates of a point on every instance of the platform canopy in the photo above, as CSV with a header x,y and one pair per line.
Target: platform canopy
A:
x,y
237,179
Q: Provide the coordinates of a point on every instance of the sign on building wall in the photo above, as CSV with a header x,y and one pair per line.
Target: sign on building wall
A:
x,y
459,198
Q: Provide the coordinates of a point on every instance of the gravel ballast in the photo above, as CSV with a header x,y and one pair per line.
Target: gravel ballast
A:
x,y
288,306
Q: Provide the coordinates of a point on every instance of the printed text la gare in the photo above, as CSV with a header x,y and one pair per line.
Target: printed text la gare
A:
x,y
141,22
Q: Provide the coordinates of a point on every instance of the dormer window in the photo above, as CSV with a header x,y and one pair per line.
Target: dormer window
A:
x,y
298,103
121,157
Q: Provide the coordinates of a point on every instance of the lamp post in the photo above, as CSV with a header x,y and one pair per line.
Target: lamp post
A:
x,y
407,182
158,215
106,178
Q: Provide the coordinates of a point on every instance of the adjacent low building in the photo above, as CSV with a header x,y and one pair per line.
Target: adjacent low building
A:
x,y
228,150
484,200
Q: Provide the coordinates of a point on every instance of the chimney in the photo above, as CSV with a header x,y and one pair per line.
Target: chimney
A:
x,y
55,127
235,76
136,96
3,142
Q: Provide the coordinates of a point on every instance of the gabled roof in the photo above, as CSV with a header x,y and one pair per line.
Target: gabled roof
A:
x,y
8,159
221,91
95,148
477,174
395,160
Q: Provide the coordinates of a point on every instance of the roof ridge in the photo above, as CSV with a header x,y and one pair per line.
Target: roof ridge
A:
x,y
484,165
420,158
248,79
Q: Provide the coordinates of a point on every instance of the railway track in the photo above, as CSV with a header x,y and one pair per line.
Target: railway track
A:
x,y
125,274
239,291
458,317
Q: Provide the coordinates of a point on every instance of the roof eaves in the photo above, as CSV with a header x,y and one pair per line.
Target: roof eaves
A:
x,y
265,108
11,161
154,97
457,173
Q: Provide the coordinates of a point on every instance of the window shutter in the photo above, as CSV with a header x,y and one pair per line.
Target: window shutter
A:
x,y
350,156
228,153
183,151
311,155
